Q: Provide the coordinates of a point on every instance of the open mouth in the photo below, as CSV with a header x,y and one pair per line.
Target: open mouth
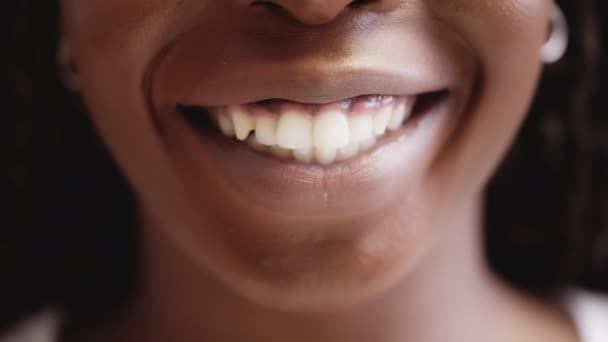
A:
x,y
322,134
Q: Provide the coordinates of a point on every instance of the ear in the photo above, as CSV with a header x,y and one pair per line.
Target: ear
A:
x,y
557,44
65,67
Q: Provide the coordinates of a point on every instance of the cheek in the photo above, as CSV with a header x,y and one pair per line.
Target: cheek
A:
x,y
112,44
507,37
111,15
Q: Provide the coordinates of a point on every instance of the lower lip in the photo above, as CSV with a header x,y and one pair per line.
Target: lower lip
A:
x,y
285,187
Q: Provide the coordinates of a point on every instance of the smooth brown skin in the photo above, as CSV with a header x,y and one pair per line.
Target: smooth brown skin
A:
x,y
218,266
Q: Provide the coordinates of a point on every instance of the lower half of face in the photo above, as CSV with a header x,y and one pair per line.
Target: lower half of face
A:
x,y
306,159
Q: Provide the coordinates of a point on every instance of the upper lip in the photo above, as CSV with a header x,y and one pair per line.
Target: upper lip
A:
x,y
309,86
393,62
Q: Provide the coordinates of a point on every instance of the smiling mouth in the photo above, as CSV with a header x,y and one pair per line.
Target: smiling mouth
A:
x,y
322,134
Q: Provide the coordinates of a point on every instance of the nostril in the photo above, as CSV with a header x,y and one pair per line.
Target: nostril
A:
x,y
273,5
359,3
266,5
316,12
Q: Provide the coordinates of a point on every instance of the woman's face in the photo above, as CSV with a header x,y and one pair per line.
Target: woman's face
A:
x,y
369,127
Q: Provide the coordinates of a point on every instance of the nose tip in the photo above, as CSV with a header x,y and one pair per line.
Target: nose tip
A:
x,y
316,12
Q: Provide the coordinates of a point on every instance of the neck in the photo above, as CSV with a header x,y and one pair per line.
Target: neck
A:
x,y
449,296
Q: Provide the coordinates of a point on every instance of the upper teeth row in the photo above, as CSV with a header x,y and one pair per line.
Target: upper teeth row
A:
x,y
330,134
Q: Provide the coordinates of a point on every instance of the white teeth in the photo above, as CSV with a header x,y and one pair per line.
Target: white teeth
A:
x,y
349,151
381,120
226,125
304,155
331,135
367,144
280,152
325,156
294,130
266,130
243,122
361,127
400,114
331,130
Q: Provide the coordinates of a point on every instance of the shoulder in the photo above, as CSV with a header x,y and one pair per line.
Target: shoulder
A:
x,y
589,312
44,327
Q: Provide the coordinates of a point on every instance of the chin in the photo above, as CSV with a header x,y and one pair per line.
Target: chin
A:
x,y
319,267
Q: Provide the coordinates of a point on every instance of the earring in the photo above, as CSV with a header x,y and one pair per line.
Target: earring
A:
x,y
555,47
65,68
